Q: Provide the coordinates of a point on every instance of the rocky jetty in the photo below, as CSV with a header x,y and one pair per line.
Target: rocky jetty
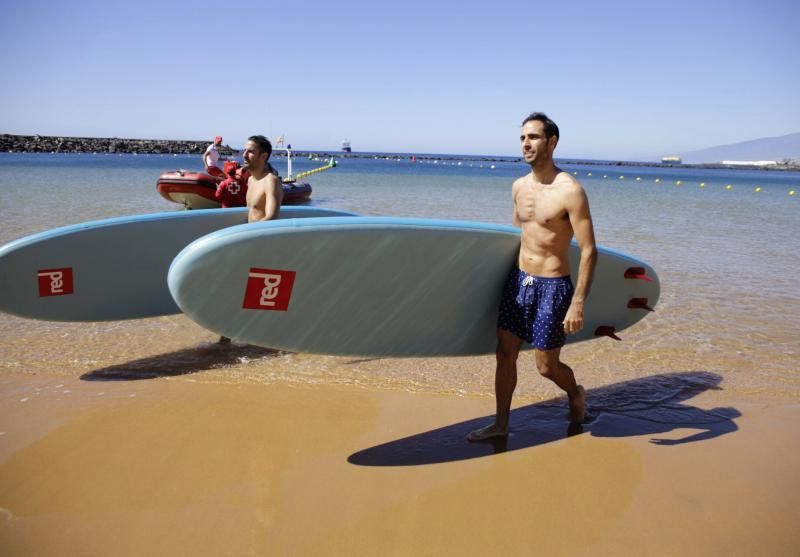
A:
x,y
58,144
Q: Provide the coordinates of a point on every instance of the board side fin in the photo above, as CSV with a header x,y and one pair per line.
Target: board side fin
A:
x,y
606,331
639,303
638,273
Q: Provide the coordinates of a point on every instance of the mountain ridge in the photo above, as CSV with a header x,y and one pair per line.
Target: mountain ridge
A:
x,y
778,148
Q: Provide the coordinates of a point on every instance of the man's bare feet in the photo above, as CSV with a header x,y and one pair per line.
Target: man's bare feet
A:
x,y
489,432
577,407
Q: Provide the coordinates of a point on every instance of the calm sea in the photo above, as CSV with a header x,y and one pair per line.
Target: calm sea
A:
x,y
726,255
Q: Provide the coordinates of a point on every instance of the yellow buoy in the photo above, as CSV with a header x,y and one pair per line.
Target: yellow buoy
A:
x,y
575,173
678,183
758,189
638,179
792,192
702,185
605,176
589,174
658,180
729,187
622,177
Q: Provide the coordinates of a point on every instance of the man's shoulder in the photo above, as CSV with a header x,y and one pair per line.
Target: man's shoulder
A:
x,y
271,179
266,181
567,182
521,181
572,194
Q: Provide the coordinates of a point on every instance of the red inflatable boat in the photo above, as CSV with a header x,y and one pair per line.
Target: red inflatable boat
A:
x,y
196,190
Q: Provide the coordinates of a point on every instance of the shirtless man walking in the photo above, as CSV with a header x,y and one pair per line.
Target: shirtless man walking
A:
x,y
264,188
540,305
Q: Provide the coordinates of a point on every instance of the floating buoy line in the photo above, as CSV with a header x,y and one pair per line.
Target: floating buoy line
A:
x,y
331,164
679,183
621,177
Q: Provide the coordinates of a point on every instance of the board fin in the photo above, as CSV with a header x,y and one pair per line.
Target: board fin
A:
x,y
637,273
606,331
639,303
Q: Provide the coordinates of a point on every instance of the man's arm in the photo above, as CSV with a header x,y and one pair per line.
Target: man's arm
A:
x,y
274,197
577,205
515,216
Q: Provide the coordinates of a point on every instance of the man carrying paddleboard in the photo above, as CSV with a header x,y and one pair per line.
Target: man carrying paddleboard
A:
x,y
264,188
540,305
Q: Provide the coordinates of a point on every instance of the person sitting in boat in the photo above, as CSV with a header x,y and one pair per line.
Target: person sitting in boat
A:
x,y
211,158
232,192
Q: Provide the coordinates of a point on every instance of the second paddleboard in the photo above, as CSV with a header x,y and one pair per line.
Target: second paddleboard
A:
x,y
109,269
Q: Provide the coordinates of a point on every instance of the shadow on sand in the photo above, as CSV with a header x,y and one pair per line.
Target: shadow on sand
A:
x,y
647,406
180,362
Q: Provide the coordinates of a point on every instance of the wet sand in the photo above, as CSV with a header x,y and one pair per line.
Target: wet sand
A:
x,y
173,466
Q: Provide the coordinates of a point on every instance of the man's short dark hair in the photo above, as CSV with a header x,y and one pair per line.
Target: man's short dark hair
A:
x,y
263,144
550,128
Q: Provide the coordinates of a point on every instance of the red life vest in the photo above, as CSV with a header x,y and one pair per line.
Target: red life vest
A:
x,y
232,192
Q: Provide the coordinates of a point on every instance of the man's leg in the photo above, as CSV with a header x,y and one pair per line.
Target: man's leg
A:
x,y
505,381
549,365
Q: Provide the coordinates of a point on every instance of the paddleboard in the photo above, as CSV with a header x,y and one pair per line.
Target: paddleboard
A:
x,y
377,286
109,269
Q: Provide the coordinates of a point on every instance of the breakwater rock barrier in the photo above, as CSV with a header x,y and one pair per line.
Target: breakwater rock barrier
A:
x,y
63,144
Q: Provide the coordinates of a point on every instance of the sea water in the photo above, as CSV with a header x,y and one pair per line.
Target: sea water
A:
x,y
729,314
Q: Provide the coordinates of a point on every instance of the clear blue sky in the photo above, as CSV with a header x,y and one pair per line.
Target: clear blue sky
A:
x,y
623,79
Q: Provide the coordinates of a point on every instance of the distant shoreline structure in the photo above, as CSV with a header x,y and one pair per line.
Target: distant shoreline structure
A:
x,y
63,144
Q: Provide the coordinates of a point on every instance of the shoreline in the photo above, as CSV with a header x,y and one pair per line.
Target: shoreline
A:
x,y
171,466
97,145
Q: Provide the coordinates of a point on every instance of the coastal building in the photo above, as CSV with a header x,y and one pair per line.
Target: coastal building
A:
x,y
749,163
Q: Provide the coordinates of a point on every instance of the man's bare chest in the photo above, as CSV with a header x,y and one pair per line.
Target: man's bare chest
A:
x,y
542,207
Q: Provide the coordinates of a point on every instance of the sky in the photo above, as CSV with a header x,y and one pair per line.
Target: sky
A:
x,y
632,80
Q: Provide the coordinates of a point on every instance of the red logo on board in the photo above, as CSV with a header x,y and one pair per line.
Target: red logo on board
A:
x,y
55,282
268,289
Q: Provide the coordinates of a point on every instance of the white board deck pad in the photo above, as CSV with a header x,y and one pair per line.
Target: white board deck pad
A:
x,y
109,269
375,286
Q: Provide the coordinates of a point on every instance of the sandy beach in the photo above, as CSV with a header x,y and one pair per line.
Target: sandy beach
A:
x,y
174,466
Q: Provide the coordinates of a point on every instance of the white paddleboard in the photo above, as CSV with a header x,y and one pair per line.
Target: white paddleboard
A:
x,y
109,269
374,286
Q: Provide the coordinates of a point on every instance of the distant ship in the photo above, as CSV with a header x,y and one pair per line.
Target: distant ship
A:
x,y
672,159
346,146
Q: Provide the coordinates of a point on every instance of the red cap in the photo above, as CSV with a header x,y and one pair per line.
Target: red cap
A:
x,y
218,139
230,167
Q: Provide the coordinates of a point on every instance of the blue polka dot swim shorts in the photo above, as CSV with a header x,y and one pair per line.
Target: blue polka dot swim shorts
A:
x,y
533,308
